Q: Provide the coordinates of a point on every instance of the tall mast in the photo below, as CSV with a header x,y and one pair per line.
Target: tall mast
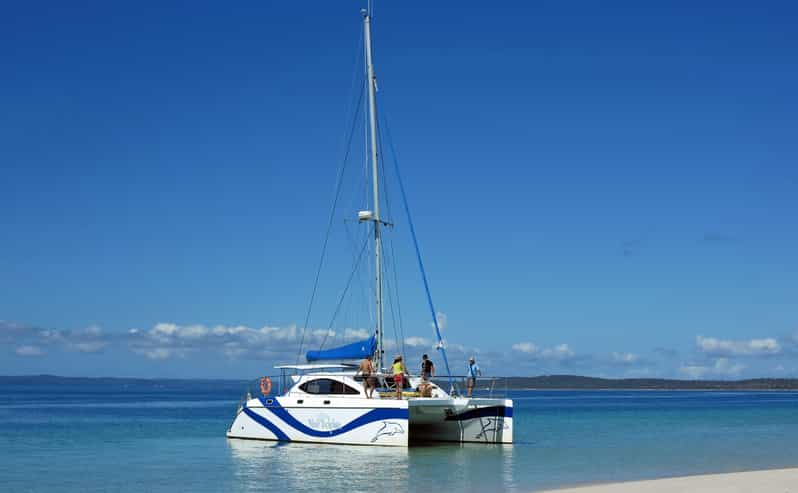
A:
x,y
371,81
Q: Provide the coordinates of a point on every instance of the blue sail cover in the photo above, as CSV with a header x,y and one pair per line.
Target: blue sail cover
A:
x,y
356,350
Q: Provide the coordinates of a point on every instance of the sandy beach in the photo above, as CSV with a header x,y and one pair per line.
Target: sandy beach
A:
x,y
773,481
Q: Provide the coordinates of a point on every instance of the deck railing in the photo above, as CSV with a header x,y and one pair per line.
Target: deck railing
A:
x,y
279,385
485,386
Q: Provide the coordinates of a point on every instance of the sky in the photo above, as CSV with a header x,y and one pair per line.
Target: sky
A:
x,y
607,190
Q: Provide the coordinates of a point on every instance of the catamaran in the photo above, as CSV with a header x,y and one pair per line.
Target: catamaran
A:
x,y
325,400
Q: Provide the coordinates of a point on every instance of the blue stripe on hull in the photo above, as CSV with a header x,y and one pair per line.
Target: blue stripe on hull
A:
x,y
266,424
275,408
483,412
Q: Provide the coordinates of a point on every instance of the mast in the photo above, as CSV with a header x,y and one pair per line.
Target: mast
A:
x,y
371,81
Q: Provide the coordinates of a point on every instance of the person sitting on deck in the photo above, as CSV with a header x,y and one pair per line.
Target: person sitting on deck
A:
x,y
425,389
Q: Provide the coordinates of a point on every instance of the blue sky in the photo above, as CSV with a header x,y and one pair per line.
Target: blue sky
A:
x,y
598,189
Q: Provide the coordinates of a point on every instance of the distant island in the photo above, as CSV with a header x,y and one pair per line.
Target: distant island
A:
x,y
58,380
576,382
543,382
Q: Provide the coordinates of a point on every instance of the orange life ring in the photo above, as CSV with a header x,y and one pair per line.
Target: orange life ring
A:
x,y
265,385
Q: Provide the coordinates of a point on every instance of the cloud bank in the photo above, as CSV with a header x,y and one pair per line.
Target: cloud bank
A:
x,y
710,357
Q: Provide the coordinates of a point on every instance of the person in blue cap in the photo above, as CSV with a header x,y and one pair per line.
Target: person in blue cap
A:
x,y
473,372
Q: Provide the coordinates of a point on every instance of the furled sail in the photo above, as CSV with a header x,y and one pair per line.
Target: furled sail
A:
x,y
356,350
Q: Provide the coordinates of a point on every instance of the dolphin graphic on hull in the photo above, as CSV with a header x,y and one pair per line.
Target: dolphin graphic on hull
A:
x,y
389,428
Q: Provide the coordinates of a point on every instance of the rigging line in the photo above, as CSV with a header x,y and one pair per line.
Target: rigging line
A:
x,y
392,253
386,195
441,347
332,216
361,282
396,292
343,295
344,314
391,292
354,202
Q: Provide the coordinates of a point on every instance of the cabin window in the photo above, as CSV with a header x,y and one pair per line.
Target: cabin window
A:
x,y
327,386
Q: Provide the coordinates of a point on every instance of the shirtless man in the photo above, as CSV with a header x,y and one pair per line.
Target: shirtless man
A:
x,y
367,370
427,368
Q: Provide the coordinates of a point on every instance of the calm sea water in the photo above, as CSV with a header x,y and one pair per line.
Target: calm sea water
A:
x,y
167,437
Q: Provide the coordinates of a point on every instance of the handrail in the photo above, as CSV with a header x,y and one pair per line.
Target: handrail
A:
x,y
485,386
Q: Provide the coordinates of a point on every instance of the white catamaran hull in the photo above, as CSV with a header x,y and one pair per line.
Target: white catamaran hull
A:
x,y
385,422
323,420
462,419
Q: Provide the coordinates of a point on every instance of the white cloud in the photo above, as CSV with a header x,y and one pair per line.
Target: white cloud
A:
x,y
93,330
88,340
88,346
722,367
526,347
693,371
417,342
165,329
753,347
715,358
625,358
167,340
560,352
355,334
29,351
49,336
193,332
158,353
221,330
30,341
443,321
233,349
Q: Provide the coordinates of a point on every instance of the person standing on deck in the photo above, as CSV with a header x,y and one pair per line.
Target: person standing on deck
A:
x,y
398,375
473,371
427,368
367,371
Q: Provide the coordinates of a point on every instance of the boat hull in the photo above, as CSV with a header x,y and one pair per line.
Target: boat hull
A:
x,y
478,420
319,420
381,422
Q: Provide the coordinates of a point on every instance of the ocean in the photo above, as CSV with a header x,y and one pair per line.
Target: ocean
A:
x,y
167,436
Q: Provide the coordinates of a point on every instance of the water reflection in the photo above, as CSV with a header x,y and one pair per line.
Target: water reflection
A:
x,y
313,467
465,467
306,467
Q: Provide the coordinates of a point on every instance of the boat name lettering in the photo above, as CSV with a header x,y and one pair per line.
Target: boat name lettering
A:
x,y
323,422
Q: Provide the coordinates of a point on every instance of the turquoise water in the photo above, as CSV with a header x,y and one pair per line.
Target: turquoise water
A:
x,y
169,436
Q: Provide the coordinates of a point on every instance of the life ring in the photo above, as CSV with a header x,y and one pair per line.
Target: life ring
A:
x,y
265,385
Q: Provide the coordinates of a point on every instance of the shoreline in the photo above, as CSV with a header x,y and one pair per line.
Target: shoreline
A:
x,y
761,481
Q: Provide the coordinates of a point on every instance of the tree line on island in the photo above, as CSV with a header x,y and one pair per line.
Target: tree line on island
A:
x,y
576,382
